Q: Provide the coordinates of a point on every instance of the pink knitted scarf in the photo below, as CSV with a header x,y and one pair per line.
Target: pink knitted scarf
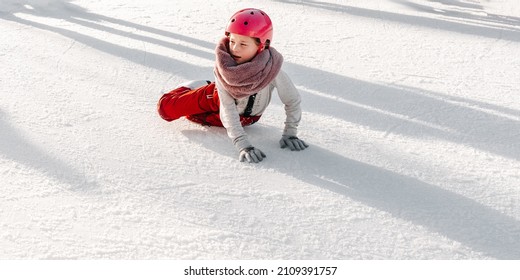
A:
x,y
242,80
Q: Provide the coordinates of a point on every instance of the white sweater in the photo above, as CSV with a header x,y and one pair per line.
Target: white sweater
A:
x,y
231,109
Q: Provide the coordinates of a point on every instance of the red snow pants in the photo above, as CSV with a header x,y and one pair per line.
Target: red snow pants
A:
x,y
200,105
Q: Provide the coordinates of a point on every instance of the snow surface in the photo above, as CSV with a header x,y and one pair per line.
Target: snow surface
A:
x,y
411,108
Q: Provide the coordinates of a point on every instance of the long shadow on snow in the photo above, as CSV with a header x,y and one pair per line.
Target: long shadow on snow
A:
x,y
470,12
452,215
410,111
14,146
78,15
454,3
485,29
63,9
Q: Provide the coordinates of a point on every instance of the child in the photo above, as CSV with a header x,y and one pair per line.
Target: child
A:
x,y
247,70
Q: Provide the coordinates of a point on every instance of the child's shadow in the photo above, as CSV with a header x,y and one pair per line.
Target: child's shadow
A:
x,y
452,215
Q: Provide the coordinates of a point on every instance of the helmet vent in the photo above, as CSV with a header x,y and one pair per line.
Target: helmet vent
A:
x,y
252,13
246,23
233,20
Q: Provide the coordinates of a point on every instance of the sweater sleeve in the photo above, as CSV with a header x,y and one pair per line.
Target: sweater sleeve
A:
x,y
231,119
291,98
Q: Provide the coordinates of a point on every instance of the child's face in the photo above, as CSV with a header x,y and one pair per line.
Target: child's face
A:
x,y
242,48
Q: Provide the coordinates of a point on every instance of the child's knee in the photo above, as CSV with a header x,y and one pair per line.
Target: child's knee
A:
x,y
166,104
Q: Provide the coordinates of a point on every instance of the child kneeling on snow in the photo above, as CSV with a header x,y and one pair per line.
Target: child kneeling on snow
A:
x,y
247,70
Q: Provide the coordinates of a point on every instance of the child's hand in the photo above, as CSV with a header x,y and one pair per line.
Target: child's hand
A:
x,y
251,154
293,142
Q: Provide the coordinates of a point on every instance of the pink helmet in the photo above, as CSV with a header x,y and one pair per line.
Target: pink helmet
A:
x,y
253,23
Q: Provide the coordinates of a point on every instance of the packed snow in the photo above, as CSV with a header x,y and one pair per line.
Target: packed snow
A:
x,y
411,109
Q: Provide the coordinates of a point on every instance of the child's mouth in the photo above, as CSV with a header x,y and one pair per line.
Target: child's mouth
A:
x,y
236,57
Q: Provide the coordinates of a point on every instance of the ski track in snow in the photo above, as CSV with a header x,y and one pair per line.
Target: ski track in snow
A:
x,y
411,109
